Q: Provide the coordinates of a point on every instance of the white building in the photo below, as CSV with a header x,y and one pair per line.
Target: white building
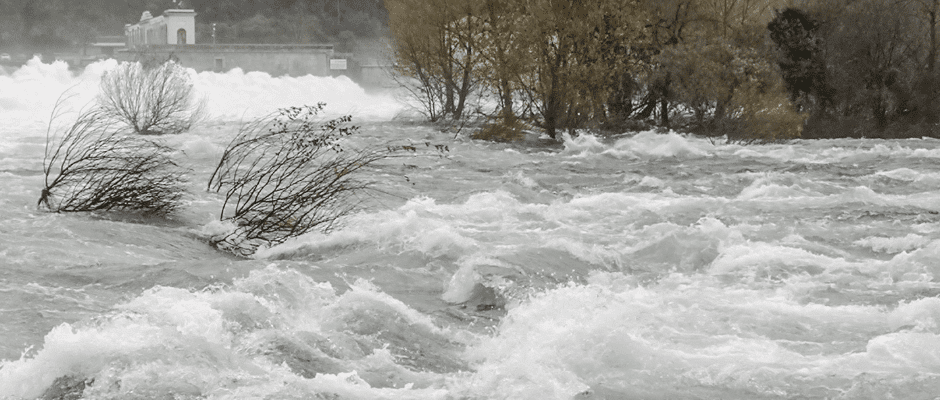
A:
x,y
173,27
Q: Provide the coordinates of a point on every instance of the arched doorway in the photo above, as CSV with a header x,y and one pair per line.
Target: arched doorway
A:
x,y
181,36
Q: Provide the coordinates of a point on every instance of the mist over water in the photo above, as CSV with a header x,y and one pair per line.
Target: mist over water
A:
x,y
639,266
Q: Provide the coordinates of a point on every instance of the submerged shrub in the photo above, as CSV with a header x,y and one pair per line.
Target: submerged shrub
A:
x,y
288,174
150,98
764,114
96,166
502,129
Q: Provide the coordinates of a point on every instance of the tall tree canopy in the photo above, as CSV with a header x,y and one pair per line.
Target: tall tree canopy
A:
x,y
749,70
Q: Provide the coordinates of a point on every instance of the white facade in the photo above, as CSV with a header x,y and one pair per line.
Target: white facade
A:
x,y
173,27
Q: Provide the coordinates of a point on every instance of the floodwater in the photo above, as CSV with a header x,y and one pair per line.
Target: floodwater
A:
x,y
644,266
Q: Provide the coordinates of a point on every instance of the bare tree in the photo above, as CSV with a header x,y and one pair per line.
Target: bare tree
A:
x,y
150,99
287,174
96,166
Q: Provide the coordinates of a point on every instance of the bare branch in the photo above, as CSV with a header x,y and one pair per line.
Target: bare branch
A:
x,y
150,100
96,166
288,174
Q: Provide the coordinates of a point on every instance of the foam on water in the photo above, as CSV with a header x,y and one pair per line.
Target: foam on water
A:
x,y
29,93
238,95
647,144
614,338
894,244
635,266
274,333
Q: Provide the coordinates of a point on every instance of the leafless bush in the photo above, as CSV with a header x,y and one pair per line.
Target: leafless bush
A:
x,y
151,98
96,166
287,174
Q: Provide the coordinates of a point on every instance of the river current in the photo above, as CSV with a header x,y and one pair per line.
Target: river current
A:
x,y
639,266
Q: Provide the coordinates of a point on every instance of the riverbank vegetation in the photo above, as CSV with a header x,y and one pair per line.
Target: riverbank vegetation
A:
x,y
748,70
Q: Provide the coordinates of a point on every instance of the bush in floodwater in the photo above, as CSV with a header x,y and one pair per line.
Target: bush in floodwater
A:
x,y
150,98
96,166
503,128
763,113
288,174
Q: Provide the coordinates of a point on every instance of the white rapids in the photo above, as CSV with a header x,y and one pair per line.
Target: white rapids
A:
x,y
641,266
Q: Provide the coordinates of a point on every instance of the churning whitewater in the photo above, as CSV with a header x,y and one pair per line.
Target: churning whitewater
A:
x,y
640,266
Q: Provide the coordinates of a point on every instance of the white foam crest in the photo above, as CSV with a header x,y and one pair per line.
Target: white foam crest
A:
x,y
520,178
907,176
189,312
496,224
460,288
762,190
920,264
237,95
921,315
270,326
621,203
865,150
911,241
766,193
582,145
68,350
652,182
901,174
653,250
769,261
683,334
643,145
28,94
654,145
897,354
779,152
419,225
364,294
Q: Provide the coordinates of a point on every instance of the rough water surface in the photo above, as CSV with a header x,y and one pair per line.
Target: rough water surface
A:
x,y
642,266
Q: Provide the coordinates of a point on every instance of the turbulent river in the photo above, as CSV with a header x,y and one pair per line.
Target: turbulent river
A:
x,y
641,266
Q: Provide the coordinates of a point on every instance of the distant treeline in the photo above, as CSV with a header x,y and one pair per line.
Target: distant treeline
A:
x,y
754,70
34,25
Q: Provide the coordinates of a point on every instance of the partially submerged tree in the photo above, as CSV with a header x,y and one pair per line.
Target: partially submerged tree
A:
x,y
436,51
150,98
288,174
796,35
96,166
731,91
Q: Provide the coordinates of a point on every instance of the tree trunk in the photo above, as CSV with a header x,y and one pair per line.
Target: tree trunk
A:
x,y
449,92
463,93
447,70
932,53
505,97
880,111
664,112
664,102
551,108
